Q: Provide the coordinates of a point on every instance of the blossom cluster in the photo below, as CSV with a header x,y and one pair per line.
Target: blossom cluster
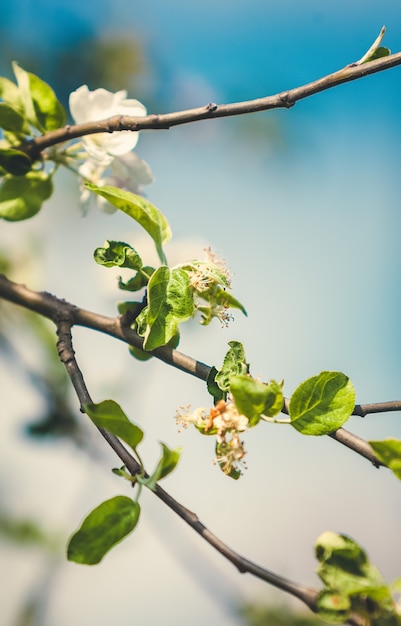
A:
x,y
107,158
210,279
224,421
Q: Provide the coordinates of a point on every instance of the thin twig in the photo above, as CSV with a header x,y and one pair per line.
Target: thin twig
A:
x,y
308,595
378,407
284,99
55,309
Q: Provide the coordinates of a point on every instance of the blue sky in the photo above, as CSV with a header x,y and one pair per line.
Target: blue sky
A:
x,y
308,219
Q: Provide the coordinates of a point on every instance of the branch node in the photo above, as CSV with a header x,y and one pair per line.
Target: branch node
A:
x,y
64,343
285,100
212,107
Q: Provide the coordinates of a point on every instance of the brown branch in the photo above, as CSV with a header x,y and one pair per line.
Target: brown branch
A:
x,y
284,99
308,595
55,309
378,407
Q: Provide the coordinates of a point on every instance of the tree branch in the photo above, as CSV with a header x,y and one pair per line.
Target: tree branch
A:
x,y
59,310
308,595
284,99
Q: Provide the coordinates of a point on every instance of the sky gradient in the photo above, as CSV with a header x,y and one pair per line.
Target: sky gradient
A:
x,y
305,207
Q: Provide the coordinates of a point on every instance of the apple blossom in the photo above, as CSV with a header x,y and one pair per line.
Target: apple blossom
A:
x,y
224,421
92,106
127,171
109,160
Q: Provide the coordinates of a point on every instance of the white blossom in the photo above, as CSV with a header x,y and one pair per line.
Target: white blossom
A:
x,y
129,172
109,160
92,106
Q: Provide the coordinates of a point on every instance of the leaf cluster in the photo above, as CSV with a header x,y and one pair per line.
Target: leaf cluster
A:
x,y
27,108
114,519
351,584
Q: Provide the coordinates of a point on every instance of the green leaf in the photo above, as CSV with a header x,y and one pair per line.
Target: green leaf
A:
x,y
322,403
110,416
333,607
10,93
50,113
42,108
234,363
138,354
142,355
138,281
105,526
133,307
389,452
141,210
118,254
21,197
14,161
255,399
375,51
346,572
224,297
378,54
170,302
213,388
167,463
10,118
345,566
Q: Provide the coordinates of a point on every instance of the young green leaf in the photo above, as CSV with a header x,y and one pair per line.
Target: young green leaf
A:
x,y
10,93
142,355
255,399
141,210
389,452
375,51
138,281
118,254
105,526
167,463
213,388
110,416
42,108
138,354
14,161
322,403
170,302
347,572
234,363
50,113
10,118
21,197
333,607
224,297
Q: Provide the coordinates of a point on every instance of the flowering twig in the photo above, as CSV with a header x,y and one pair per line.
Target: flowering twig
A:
x,y
284,99
56,309
308,595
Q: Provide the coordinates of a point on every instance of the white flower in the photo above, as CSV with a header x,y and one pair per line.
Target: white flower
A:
x,y
223,418
227,419
130,172
90,171
92,106
224,421
125,172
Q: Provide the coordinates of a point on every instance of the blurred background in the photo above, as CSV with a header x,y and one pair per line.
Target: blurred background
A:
x,y
304,205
